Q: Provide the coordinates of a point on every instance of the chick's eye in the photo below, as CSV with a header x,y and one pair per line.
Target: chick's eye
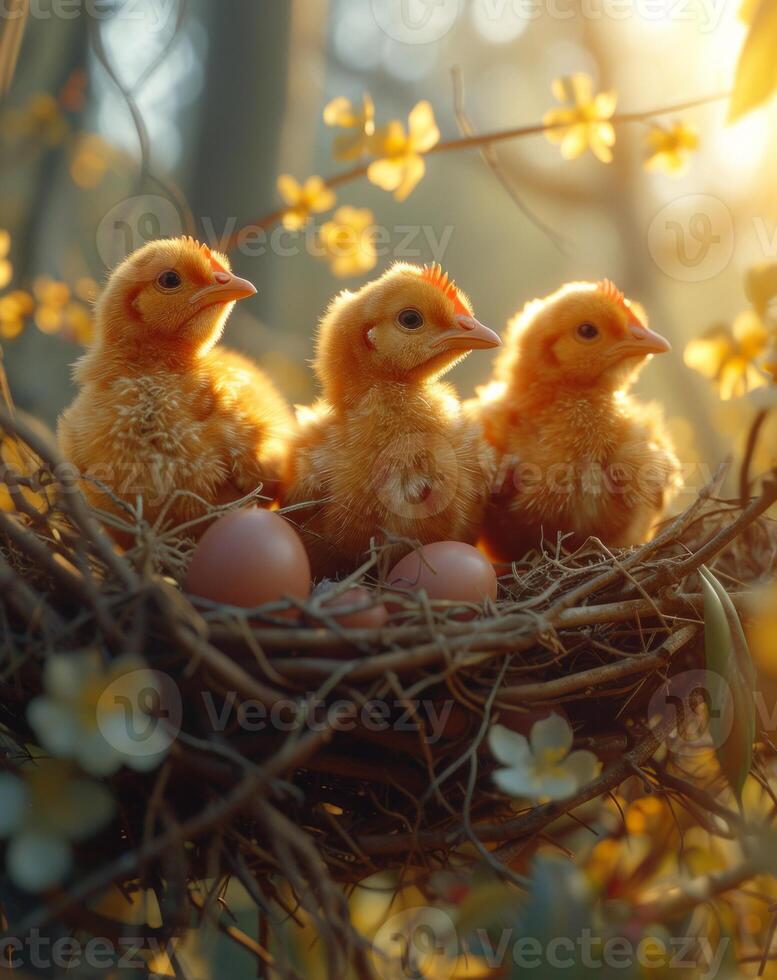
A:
x,y
169,279
587,331
410,319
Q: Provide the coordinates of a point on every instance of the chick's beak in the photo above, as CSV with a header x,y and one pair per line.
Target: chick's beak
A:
x,y
642,340
226,289
469,334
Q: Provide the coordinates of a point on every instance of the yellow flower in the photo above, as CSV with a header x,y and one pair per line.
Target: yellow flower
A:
x,y
91,159
6,269
52,297
348,241
306,199
401,165
761,286
583,124
41,118
58,312
87,289
768,360
729,356
360,123
762,630
14,307
668,149
542,767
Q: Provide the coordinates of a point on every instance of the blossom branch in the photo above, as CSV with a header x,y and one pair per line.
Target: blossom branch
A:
x,y
477,141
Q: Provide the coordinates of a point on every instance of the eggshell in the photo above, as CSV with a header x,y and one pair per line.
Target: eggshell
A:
x,y
247,558
449,570
372,617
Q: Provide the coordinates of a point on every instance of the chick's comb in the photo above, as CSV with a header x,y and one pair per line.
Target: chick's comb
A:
x,y
610,291
215,264
434,275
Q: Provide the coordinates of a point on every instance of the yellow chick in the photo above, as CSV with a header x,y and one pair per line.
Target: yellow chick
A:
x,y
387,453
161,409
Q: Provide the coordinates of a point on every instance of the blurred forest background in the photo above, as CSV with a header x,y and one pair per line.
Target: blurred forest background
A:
x,y
230,95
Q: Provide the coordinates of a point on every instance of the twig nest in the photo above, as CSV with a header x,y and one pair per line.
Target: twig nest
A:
x,y
446,570
360,608
248,558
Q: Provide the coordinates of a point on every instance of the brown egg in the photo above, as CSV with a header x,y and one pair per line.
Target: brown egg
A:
x,y
371,617
247,558
449,570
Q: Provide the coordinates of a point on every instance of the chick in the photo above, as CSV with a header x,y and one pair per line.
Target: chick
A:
x,y
576,453
160,408
388,453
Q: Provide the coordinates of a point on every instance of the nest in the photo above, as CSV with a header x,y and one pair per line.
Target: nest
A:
x,y
376,759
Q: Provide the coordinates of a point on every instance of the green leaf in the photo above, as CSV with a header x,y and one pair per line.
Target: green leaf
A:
x,y
732,709
756,75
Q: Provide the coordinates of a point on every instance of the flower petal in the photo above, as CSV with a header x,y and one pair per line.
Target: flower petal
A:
x,y
413,170
422,127
708,354
97,754
574,142
64,676
551,733
340,112
582,765
289,189
579,87
56,725
516,782
38,861
386,174
509,747
14,800
604,103
555,787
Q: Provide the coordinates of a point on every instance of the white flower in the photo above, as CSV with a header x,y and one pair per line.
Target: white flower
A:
x,y
41,813
541,768
100,716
